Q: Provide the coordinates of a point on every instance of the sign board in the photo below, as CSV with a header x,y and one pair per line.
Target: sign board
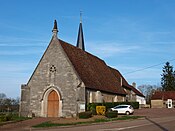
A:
x,y
170,103
82,106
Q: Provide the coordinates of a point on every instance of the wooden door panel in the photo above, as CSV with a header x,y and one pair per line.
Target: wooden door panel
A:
x,y
53,106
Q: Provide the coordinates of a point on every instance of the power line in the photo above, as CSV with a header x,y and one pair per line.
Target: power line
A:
x,y
147,67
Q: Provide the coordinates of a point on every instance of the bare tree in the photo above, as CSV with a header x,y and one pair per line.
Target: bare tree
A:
x,y
148,90
8,104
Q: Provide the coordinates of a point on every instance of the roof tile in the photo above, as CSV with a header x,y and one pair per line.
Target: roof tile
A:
x,y
93,71
164,95
125,84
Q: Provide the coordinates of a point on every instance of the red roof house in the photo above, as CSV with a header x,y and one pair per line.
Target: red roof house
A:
x,y
160,99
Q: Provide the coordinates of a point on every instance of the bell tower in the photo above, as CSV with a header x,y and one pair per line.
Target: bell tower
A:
x,y
80,39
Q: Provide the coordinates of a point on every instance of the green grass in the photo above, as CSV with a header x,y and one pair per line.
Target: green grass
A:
x,y
12,117
129,117
118,118
20,118
50,124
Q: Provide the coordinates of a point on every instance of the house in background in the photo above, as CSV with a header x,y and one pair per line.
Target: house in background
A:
x,y
139,96
132,93
163,99
68,77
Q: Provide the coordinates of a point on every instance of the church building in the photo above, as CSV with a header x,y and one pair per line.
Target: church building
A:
x,y
67,77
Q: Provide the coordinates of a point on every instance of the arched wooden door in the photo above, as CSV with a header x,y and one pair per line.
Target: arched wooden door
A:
x,y
53,104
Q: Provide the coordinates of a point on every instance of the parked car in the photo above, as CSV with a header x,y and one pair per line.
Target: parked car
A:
x,y
123,109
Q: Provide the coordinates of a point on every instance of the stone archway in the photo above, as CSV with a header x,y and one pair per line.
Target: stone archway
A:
x,y
53,104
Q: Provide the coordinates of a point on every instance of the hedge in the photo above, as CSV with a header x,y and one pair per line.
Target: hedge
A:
x,y
85,115
92,106
111,114
5,117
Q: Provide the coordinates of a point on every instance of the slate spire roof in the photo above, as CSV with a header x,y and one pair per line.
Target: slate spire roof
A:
x,y
80,39
55,29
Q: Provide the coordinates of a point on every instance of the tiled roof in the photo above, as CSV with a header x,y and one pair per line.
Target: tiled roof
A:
x,y
93,71
118,76
163,95
125,84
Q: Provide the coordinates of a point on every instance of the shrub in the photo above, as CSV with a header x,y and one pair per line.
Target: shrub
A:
x,y
110,104
111,114
135,105
1,117
6,117
92,106
93,109
85,115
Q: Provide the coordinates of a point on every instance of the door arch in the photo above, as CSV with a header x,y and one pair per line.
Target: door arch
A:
x,y
52,104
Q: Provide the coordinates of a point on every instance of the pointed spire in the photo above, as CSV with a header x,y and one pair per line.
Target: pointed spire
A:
x,y
80,16
55,29
80,40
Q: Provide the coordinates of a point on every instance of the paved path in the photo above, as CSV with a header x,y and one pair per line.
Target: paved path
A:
x,y
155,112
24,125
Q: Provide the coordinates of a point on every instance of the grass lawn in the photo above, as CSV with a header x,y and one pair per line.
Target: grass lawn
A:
x,y
51,124
10,117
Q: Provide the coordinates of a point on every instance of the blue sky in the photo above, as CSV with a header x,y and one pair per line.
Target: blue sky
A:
x,y
128,34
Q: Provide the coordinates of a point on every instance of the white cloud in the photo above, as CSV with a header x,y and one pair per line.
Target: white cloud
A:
x,y
139,74
108,50
151,76
12,75
21,52
14,67
144,74
21,42
11,86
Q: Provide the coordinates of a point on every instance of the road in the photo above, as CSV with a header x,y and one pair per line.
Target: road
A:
x,y
147,124
156,120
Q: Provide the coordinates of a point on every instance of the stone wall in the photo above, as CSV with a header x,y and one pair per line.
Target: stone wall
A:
x,y
25,101
161,104
105,97
157,104
55,70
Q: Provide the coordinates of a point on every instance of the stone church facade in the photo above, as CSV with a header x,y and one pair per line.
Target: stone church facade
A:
x,y
66,78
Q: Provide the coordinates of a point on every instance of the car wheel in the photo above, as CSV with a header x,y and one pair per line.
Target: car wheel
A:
x,y
127,113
